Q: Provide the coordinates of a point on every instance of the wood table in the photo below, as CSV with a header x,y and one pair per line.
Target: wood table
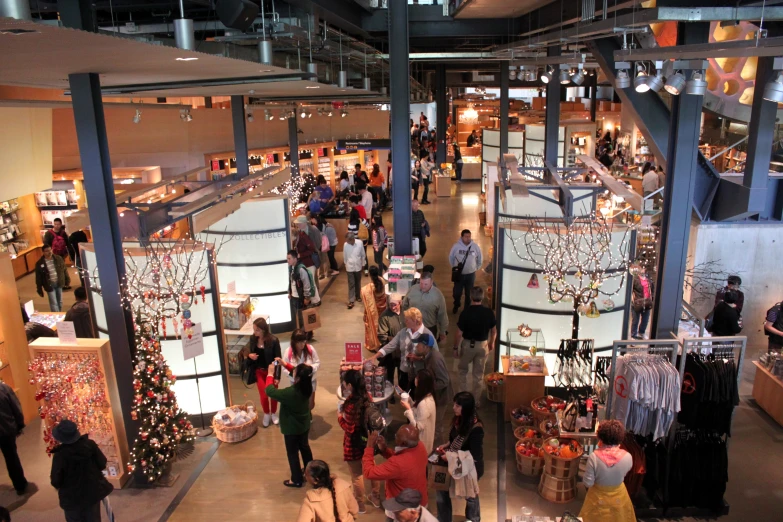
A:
x,y
443,186
768,392
521,388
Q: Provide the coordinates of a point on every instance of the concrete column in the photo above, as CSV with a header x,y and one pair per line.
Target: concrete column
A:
x,y
442,104
240,135
504,106
552,118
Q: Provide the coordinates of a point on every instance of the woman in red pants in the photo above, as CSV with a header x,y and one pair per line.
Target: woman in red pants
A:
x,y
264,349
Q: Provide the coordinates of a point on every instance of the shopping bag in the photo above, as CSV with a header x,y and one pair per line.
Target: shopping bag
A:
x,y
311,319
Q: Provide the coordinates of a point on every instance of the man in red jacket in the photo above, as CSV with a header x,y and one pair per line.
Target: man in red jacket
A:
x,y
405,466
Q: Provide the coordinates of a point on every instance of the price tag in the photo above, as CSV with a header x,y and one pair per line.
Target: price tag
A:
x,y
193,344
232,288
66,332
29,307
353,352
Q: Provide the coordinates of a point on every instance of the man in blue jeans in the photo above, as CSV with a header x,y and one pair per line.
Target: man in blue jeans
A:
x,y
465,255
52,276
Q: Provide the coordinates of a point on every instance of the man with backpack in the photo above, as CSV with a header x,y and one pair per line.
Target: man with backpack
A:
x,y
57,238
773,327
301,289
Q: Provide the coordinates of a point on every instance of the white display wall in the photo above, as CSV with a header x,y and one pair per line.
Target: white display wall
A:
x,y
202,384
490,151
534,144
258,237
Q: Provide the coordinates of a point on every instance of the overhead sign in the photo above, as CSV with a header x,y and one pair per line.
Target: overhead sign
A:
x,y
367,144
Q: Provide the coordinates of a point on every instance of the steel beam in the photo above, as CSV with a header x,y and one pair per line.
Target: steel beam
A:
x,y
552,118
240,135
738,48
504,107
399,72
442,105
427,21
681,166
293,145
593,96
99,186
204,83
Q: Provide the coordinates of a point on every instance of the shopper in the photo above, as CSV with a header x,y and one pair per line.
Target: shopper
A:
x,y
420,409
377,182
475,337
403,343
324,194
354,258
407,507
773,328
264,349
379,241
607,498
431,303
466,434
457,161
331,235
434,362
419,227
323,247
307,249
473,138
352,419
726,320
374,301
329,500
295,418
302,291
416,179
360,176
300,352
11,426
427,164
79,315
51,276
77,474
405,466
643,292
366,199
345,184
649,179
57,238
465,257
390,323
74,240
733,283
661,177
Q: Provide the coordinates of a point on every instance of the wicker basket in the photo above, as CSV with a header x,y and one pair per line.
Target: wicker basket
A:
x,y
495,392
557,490
237,433
519,433
542,415
543,430
559,467
529,466
516,424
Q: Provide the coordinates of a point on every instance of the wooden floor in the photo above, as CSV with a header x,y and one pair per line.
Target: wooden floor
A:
x,y
245,480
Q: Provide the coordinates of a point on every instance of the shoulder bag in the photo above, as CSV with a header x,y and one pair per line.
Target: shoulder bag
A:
x,y
456,271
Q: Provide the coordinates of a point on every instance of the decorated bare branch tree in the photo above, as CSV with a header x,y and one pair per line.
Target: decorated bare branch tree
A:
x,y
705,279
576,259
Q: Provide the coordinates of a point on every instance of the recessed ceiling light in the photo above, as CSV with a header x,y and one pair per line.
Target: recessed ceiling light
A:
x,y
313,87
187,59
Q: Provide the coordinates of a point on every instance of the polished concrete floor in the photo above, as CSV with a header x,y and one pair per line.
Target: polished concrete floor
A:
x,y
245,480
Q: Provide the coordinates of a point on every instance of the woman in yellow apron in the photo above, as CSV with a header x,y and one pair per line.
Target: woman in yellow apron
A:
x,y
607,499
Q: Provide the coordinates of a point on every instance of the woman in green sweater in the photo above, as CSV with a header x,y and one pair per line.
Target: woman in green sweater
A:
x,y
294,418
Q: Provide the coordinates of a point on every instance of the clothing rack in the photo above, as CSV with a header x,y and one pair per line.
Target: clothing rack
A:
x,y
579,354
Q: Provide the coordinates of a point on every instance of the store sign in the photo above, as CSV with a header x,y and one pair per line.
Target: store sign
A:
x,y
193,344
353,352
66,332
364,144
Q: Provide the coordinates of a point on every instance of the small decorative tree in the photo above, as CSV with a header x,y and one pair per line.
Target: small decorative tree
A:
x,y
576,259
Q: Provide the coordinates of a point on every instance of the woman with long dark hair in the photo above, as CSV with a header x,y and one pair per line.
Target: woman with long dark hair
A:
x,y
467,434
330,500
352,419
422,412
416,179
295,418
379,239
300,352
264,349
374,299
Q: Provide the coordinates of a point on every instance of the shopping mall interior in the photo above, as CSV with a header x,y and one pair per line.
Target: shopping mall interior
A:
x,y
605,177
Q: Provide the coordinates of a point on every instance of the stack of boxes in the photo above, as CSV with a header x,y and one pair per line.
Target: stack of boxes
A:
x,y
402,270
236,310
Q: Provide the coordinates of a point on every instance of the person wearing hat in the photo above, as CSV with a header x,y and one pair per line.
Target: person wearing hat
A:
x,y
11,425
407,507
434,362
733,284
77,474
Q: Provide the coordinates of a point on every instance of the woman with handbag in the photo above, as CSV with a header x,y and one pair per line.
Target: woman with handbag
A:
x,y
467,434
295,418
643,292
352,419
264,349
330,500
299,352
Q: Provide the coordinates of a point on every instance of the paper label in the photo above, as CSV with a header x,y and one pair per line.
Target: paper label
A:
x,y
232,288
353,352
29,307
66,332
193,344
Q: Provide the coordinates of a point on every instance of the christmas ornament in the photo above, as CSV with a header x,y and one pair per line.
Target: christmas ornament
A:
x,y
533,283
593,312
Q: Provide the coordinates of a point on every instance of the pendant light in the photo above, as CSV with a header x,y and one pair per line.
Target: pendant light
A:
x,y
512,72
675,84
565,78
640,82
579,77
773,91
622,81
546,74
655,83
697,85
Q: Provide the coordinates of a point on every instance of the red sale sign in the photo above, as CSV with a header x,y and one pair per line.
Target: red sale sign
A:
x,y
353,352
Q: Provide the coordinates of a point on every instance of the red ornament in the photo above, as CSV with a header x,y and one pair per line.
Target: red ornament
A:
x,y
150,394
203,289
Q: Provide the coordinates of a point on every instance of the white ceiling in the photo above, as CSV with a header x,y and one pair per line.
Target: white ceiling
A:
x,y
498,8
44,58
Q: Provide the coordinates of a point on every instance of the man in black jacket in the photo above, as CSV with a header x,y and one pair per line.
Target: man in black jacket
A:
x,y
77,474
79,315
11,425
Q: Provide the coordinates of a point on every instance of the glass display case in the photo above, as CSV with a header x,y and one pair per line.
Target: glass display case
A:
x,y
518,345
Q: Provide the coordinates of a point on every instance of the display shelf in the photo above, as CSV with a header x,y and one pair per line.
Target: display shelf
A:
x,y
768,392
78,382
521,388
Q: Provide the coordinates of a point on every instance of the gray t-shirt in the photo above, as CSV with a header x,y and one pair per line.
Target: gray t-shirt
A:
x,y
598,473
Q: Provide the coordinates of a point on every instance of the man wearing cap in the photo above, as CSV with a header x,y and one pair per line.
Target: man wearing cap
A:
x,y
77,474
307,248
733,283
430,301
403,342
390,323
354,258
434,362
407,507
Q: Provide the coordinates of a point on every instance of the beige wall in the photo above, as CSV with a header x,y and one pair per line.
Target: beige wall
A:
x,y
26,149
163,139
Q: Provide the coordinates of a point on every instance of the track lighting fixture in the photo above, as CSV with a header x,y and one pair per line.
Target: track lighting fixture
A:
x,y
640,82
546,74
282,115
655,83
250,117
512,72
675,83
564,77
773,91
343,113
185,116
697,85
137,116
267,114
579,77
622,81
330,113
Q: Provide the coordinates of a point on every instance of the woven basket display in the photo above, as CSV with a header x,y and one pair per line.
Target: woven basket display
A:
x,y
495,392
237,433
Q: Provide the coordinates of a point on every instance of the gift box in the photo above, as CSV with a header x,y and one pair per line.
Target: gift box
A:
x,y
236,310
234,353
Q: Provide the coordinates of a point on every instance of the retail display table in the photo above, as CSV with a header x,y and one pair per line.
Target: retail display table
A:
x,y
768,392
48,319
521,388
381,402
443,186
